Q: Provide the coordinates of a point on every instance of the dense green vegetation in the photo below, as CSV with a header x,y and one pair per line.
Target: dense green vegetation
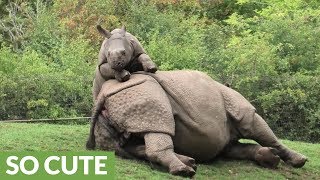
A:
x,y
24,137
266,49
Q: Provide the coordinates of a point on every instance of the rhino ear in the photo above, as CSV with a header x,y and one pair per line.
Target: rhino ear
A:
x,y
103,32
123,30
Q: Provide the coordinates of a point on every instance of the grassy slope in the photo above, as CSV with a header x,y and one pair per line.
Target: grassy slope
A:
x,y
48,137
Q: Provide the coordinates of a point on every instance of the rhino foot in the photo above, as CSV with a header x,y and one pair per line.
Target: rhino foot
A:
x,y
147,64
267,157
187,161
122,76
183,170
152,69
296,160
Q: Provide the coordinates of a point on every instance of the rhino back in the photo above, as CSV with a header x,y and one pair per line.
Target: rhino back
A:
x,y
138,105
202,127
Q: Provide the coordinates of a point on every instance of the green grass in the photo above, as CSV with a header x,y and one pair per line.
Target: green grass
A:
x,y
50,137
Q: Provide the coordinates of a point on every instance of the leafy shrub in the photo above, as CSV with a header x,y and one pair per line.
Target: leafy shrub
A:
x,y
33,89
292,108
173,41
272,59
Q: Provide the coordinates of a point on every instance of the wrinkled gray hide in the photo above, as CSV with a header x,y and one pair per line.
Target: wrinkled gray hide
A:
x,y
208,119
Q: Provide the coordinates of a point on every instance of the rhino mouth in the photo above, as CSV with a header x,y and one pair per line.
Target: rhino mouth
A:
x,y
117,66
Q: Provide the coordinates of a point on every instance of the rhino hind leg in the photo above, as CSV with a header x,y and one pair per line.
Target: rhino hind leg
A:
x,y
264,156
252,126
159,149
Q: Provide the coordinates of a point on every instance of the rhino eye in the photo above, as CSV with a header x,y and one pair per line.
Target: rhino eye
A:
x,y
108,53
123,52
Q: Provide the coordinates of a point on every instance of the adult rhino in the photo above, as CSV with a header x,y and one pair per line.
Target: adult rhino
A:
x,y
188,113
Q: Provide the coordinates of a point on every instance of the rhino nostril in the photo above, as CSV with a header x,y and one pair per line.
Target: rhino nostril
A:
x,y
123,52
119,64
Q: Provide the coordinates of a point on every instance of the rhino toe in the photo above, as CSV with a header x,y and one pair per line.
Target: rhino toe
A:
x,y
184,171
152,69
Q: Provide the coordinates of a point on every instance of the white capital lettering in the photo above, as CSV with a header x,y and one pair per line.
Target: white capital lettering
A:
x,y
47,165
35,165
99,165
74,165
86,160
13,165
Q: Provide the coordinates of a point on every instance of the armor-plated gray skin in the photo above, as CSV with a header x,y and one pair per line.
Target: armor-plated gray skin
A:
x,y
121,54
199,120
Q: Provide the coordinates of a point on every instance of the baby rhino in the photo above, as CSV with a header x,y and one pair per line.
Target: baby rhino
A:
x,y
121,54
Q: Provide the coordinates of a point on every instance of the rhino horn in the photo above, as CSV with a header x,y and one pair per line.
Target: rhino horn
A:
x,y
123,30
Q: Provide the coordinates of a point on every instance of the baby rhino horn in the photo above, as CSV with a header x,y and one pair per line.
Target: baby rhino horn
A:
x,y
123,30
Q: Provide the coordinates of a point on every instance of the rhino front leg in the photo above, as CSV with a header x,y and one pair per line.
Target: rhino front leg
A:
x,y
159,148
264,156
108,73
252,126
147,64
139,151
122,76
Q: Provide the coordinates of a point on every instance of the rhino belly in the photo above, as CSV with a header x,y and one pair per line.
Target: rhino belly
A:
x,y
201,145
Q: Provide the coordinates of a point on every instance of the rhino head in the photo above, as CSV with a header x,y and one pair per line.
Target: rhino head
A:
x,y
118,49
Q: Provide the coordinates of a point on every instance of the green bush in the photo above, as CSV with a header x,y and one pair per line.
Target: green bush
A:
x,y
273,60
173,41
32,88
292,107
